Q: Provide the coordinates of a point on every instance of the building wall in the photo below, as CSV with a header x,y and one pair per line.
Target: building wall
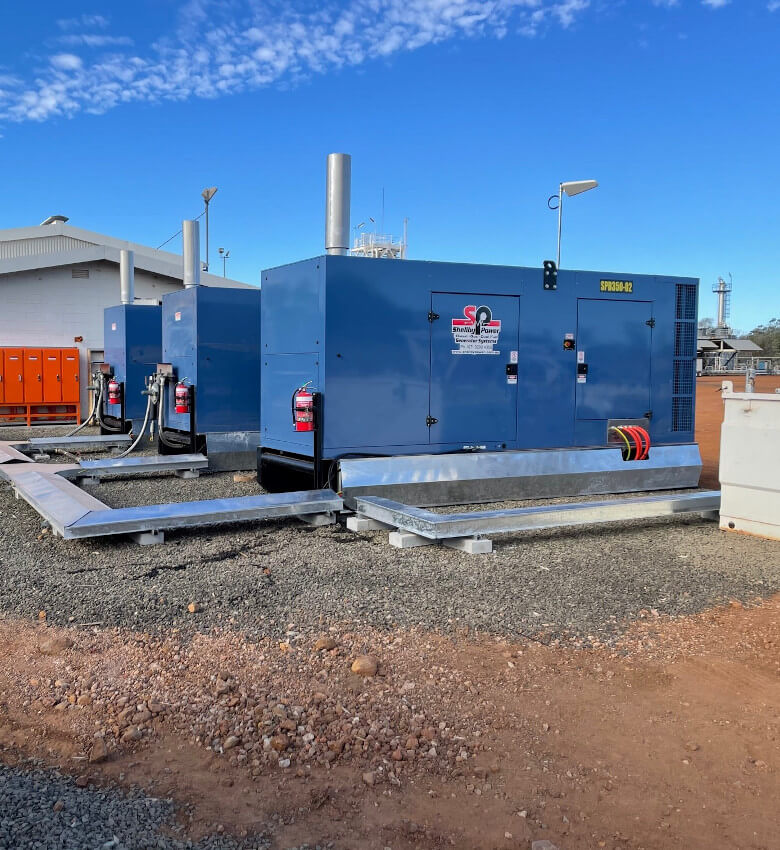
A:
x,y
49,307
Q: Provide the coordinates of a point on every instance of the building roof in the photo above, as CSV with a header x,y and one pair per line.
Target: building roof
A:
x,y
706,344
742,344
60,244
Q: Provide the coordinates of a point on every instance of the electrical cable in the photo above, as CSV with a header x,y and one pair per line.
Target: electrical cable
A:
x,y
137,440
638,445
97,399
646,434
625,440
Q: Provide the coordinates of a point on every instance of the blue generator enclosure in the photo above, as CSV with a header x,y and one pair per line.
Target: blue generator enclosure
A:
x,y
132,345
211,338
418,357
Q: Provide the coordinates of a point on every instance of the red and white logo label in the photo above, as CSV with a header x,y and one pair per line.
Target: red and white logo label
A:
x,y
477,332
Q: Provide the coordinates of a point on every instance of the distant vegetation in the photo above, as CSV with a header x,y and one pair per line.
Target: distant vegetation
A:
x,y
767,337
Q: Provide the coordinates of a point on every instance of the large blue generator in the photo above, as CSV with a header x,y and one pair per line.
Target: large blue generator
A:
x,y
434,366
132,345
211,360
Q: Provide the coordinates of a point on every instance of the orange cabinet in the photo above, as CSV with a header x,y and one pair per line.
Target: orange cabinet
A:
x,y
52,377
33,376
39,384
70,375
13,375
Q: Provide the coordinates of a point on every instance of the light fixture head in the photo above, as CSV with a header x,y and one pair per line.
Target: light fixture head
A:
x,y
208,194
577,187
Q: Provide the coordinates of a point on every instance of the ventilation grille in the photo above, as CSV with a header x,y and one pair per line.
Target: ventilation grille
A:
x,y
686,302
682,414
683,378
684,358
79,273
684,339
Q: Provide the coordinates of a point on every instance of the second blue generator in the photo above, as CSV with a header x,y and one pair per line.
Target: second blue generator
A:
x,y
211,375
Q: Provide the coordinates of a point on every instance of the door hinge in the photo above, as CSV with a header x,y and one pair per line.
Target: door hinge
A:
x,y
648,414
429,420
650,323
433,316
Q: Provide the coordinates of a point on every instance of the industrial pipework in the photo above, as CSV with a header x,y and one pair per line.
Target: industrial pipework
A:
x,y
191,252
337,201
126,276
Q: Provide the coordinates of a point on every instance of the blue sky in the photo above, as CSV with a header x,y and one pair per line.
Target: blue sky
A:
x,y
467,112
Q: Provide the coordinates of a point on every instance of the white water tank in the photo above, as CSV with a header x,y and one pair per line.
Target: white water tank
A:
x,y
750,463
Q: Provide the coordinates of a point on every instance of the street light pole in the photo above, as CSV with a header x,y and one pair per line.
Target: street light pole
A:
x,y
225,256
571,188
207,195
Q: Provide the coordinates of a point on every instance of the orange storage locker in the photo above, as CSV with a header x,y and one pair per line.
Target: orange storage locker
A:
x,y
13,375
33,376
70,375
52,377
2,376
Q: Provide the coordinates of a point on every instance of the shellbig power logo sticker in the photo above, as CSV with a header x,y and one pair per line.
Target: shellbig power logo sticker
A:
x,y
477,332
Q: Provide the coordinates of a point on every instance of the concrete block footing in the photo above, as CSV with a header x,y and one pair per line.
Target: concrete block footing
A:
x,y
363,523
407,540
715,515
470,545
187,473
87,479
317,520
148,538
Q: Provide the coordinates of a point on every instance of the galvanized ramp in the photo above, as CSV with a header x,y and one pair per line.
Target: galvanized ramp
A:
x,y
10,454
140,465
75,444
208,512
58,501
75,514
421,526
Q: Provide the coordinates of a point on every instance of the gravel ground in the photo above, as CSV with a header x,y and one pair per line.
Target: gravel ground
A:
x,y
270,578
42,809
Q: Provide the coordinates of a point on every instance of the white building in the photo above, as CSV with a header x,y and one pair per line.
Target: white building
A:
x,y
56,279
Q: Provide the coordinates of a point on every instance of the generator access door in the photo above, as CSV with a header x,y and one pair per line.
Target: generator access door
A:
x,y
474,344
613,358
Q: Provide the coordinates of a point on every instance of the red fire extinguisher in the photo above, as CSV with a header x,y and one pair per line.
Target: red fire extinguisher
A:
x,y
114,392
182,398
303,409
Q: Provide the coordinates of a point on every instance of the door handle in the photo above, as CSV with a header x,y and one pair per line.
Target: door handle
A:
x,y
39,377
58,377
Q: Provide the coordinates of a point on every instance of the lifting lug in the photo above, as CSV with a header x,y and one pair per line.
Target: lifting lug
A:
x,y
433,316
429,420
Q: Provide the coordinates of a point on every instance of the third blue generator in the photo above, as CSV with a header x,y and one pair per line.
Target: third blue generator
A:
x,y
132,345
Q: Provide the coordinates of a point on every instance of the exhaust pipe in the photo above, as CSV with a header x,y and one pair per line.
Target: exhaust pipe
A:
x,y
126,276
191,252
337,200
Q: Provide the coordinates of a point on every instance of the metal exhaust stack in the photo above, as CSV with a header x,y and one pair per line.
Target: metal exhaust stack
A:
x,y
191,238
126,276
337,201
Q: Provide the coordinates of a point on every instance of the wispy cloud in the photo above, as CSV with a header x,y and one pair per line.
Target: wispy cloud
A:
x,y
220,48
715,4
83,22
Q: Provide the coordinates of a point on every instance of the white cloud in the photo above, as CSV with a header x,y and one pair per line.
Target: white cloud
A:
x,y
66,62
715,4
94,40
219,48
84,21
773,5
